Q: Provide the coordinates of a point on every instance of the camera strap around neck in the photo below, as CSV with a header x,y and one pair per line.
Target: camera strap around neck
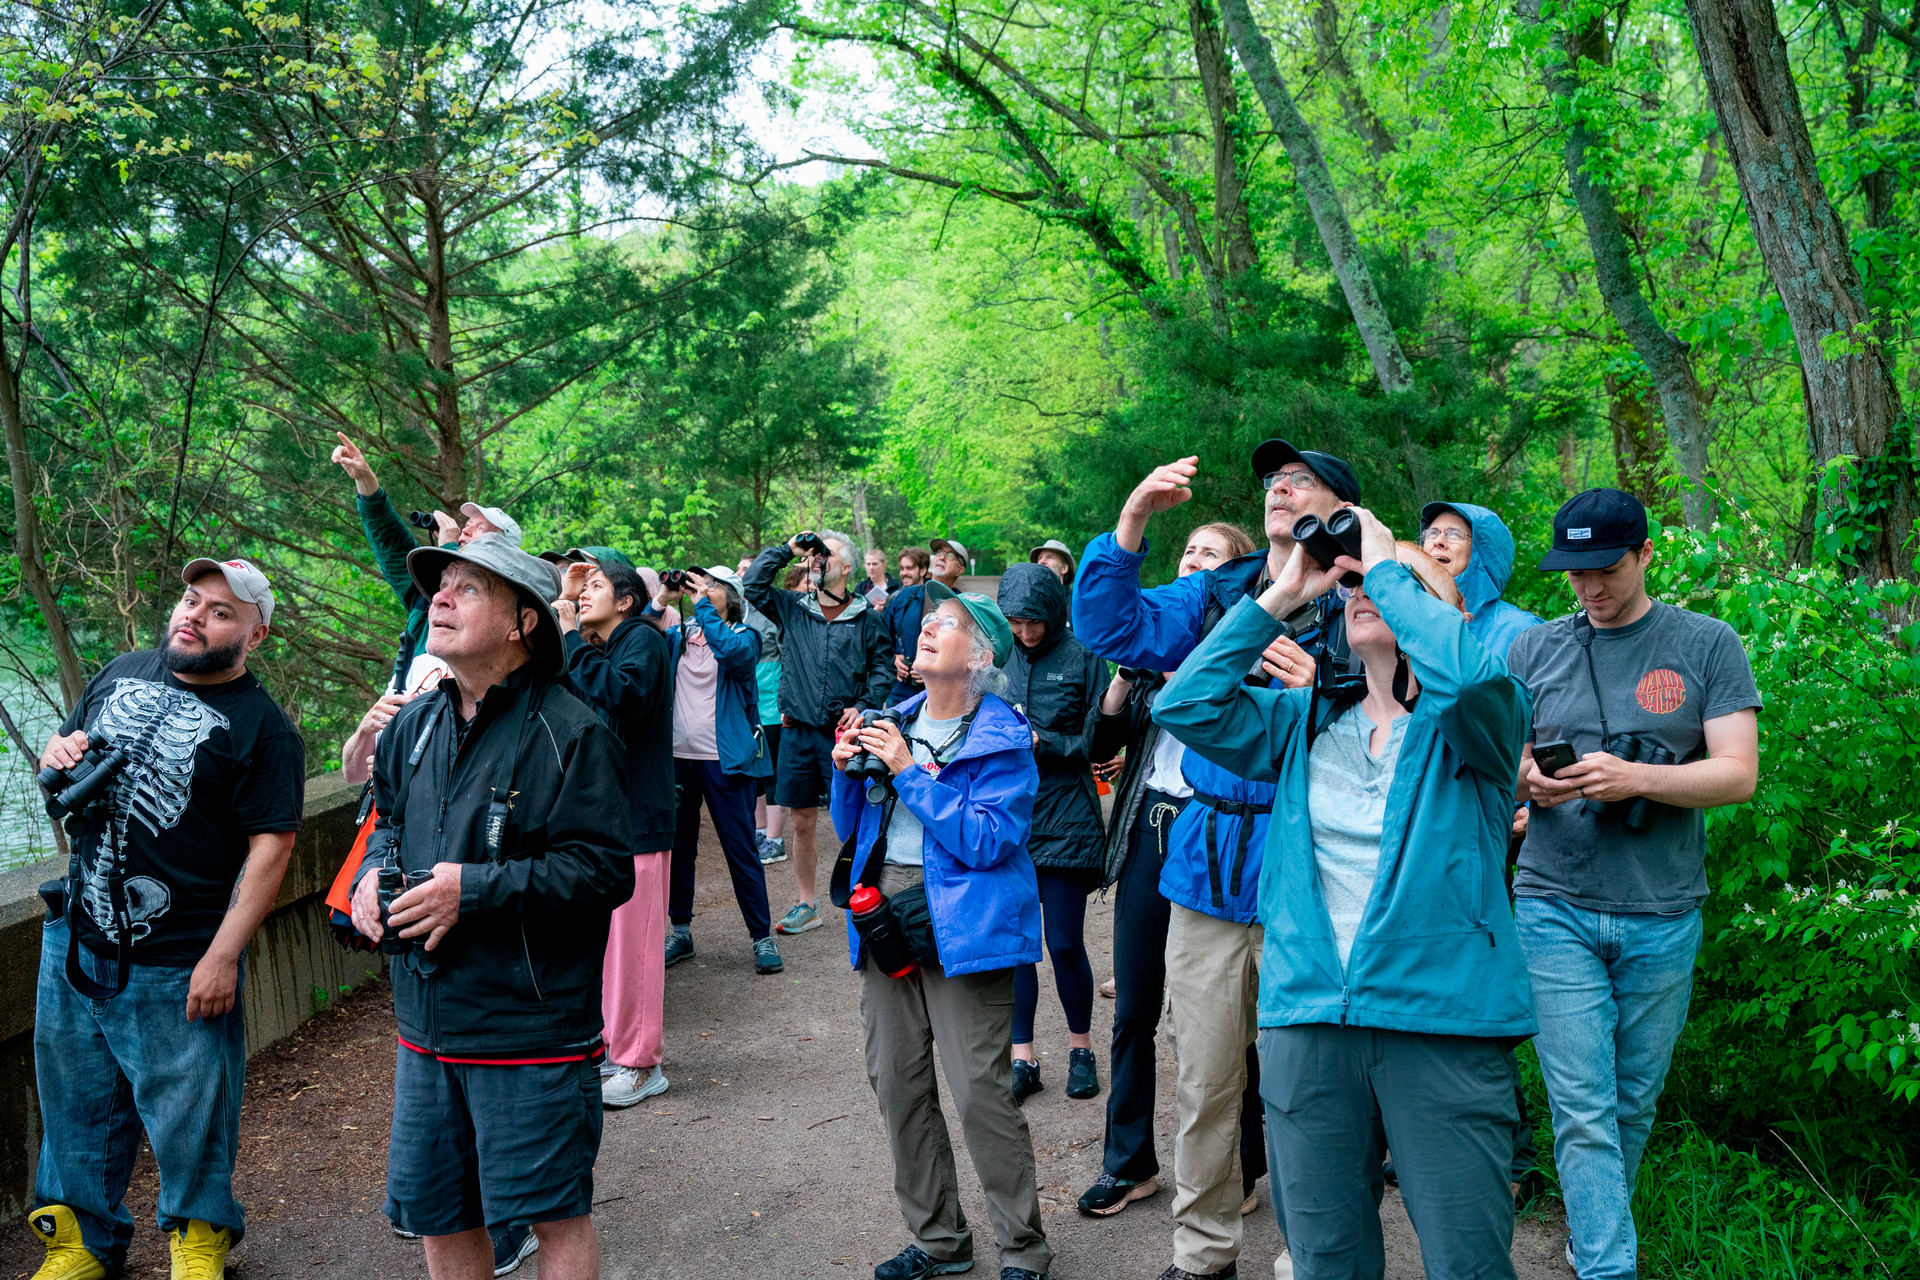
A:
x,y
840,884
116,880
1583,633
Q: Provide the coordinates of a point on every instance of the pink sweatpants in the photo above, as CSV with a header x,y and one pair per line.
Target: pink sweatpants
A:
x,y
633,1002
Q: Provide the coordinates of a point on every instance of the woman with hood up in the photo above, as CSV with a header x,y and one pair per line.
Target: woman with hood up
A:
x,y
1474,546
1056,681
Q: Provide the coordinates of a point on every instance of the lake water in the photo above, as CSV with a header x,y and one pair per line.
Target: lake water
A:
x,y
26,833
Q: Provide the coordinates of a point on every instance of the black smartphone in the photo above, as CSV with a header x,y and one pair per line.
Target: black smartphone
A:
x,y
1552,757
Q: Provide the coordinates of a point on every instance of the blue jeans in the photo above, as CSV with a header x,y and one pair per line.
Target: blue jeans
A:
x,y
1611,992
105,1069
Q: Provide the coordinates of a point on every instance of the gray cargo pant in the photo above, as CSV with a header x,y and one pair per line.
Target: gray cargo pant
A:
x,y
970,1020
1338,1097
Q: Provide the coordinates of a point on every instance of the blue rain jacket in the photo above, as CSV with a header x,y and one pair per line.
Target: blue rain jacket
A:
x,y
1213,865
1436,950
736,698
1495,622
981,889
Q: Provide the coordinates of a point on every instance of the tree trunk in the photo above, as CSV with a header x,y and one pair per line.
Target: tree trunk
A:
x,y
1637,447
1615,275
1361,117
1232,223
1390,364
1853,404
29,543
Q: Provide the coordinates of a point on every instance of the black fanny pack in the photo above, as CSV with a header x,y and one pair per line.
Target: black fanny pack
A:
x,y
910,916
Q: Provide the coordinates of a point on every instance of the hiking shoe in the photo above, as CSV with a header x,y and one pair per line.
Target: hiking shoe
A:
x,y
1020,1273
772,849
629,1085
1570,1266
1083,1077
1026,1080
1251,1203
679,947
766,956
799,919
1110,1195
511,1247
911,1264
200,1252
1175,1273
67,1257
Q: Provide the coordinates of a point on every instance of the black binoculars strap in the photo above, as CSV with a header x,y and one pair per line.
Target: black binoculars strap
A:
x,y
1237,809
840,883
116,900
1583,632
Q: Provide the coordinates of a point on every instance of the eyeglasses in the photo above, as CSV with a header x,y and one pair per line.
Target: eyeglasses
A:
x,y
1300,480
1452,537
938,622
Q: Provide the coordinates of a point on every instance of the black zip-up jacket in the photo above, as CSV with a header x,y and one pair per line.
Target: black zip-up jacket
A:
x,y
629,685
825,667
1130,729
519,971
1057,683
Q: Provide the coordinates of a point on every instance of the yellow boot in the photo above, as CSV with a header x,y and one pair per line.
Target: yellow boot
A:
x,y
67,1258
200,1252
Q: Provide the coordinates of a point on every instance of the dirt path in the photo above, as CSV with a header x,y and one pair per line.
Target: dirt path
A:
x,y
765,1159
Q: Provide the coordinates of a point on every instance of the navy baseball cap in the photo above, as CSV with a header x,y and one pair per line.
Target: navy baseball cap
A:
x,y
1273,455
1591,530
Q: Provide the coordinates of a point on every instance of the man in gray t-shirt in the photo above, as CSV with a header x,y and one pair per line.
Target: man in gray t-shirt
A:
x,y
1608,910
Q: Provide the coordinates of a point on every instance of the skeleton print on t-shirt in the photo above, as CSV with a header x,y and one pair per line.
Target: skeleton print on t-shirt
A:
x,y
210,766
161,728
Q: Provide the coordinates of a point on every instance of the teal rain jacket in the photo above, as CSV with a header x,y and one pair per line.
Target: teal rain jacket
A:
x,y
1436,951
1495,622
981,888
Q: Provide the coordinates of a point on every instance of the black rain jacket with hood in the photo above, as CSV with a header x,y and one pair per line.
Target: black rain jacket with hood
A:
x,y
1057,683
530,797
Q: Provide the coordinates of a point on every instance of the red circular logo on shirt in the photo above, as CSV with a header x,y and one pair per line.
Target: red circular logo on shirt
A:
x,y
1661,691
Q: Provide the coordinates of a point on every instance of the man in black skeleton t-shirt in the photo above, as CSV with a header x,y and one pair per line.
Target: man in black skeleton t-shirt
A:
x,y
174,869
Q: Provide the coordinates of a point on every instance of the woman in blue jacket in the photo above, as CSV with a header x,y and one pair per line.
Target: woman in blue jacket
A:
x,y
719,755
952,829
1391,982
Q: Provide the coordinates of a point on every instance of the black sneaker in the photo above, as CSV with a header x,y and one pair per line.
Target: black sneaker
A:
x,y
679,947
1175,1273
1083,1077
1110,1195
911,1264
1020,1273
511,1247
1026,1080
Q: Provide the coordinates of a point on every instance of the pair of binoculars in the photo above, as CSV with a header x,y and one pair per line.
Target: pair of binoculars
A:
x,y
391,883
1327,540
79,788
869,766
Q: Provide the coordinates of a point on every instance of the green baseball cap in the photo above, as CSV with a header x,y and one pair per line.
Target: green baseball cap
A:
x,y
598,555
985,613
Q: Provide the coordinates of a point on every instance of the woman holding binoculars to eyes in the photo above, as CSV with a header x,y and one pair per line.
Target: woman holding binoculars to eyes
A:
x,y
944,904
1393,984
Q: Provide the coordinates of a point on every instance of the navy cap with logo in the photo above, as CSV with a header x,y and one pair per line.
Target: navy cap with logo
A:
x,y
1275,455
1592,530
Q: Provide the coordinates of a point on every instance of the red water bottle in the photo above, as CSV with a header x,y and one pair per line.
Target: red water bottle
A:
x,y
880,938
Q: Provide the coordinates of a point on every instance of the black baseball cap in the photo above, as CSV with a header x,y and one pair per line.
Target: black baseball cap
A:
x,y
1272,455
1591,530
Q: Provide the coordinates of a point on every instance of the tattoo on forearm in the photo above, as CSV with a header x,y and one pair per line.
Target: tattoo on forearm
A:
x,y
234,898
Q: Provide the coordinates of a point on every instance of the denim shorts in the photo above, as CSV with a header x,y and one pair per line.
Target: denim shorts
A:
x,y
804,771
489,1144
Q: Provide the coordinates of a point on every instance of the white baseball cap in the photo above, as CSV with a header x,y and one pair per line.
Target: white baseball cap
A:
x,y
509,527
243,576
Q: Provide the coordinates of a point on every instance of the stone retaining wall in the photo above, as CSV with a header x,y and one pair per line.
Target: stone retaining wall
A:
x,y
293,969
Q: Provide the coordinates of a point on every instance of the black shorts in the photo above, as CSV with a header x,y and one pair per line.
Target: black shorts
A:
x,y
764,786
490,1144
803,775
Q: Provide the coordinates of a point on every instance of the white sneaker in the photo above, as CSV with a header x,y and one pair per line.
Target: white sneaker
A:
x,y
629,1085
1570,1266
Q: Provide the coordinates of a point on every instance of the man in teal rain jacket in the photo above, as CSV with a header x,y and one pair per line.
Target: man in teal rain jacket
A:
x,y
1472,544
